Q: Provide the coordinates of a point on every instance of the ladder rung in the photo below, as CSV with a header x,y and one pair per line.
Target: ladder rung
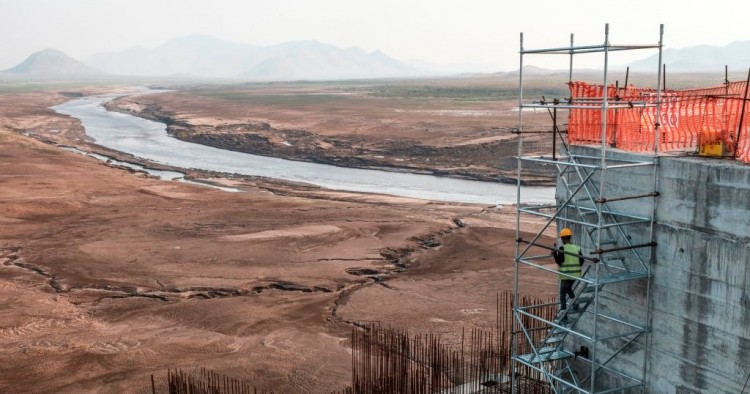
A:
x,y
557,330
547,349
621,277
553,339
556,355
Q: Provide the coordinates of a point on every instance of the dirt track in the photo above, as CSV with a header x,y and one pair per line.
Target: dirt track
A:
x,y
108,276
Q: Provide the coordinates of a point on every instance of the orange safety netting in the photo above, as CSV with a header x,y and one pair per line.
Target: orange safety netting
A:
x,y
689,119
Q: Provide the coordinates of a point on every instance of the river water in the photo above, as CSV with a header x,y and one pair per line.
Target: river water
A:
x,y
149,140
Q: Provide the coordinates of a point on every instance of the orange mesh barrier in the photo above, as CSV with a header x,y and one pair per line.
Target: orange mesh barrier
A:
x,y
689,119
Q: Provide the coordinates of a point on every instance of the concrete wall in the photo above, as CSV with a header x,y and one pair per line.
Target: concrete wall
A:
x,y
700,289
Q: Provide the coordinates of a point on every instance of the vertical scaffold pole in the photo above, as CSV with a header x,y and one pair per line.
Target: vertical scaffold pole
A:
x,y
657,125
554,134
652,232
555,130
514,346
570,70
600,218
742,116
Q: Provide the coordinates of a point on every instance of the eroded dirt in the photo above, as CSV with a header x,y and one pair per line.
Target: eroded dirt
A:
x,y
108,276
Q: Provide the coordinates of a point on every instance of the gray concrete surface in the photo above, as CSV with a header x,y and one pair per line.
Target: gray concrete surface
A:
x,y
699,320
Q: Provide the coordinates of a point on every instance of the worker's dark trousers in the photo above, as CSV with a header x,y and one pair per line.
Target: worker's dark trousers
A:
x,y
566,290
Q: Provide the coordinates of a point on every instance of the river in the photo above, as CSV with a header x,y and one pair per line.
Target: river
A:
x,y
149,140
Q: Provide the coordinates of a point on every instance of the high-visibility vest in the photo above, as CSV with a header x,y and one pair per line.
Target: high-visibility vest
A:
x,y
571,264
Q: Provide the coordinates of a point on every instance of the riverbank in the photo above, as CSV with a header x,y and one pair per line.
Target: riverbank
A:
x,y
149,140
109,275
355,130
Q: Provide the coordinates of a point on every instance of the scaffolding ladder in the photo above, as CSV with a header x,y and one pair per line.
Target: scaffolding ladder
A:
x,y
600,343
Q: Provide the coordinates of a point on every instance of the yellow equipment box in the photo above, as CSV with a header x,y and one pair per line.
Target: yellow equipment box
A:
x,y
711,148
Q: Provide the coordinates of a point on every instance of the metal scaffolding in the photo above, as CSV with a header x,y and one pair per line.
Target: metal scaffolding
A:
x,y
600,343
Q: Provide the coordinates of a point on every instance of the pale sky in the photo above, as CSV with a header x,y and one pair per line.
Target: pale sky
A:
x,y
437,31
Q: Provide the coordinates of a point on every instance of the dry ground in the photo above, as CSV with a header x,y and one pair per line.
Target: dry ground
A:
x,y
107,276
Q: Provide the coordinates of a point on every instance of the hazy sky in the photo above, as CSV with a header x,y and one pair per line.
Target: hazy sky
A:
x,y
437,31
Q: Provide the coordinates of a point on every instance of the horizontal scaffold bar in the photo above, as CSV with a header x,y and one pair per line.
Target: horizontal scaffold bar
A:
x,y
541,159
634,328
565,161
521,240
613,105
604,279
629,247
636,220
586,49
551,323
604,200
570,159
592,210
614,159
638,164
552,270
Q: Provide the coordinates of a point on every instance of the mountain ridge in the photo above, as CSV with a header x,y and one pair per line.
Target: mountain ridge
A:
x,y
51,63
206,56
700,58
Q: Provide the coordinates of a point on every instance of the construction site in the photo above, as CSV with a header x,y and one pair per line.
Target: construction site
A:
x,y
211,280
654,185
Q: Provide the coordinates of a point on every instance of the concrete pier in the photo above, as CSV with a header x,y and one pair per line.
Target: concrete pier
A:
x,y
699,315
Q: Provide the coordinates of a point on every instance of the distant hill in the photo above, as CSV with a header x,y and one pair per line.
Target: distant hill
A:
x,y
700,58
204,56
52,64
532,71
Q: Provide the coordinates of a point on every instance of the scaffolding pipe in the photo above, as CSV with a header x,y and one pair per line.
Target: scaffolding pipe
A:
x,y
570,70
514,346
576,173
652,232
586,49
658,94
742,116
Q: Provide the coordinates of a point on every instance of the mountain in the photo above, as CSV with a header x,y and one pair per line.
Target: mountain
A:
x,y
190,55
700,58
316,61
53,64
205,56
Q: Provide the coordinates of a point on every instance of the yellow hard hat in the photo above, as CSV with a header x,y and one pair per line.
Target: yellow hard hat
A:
x,y
566,232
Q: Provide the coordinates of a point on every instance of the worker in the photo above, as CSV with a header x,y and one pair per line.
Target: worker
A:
x,y
569,260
